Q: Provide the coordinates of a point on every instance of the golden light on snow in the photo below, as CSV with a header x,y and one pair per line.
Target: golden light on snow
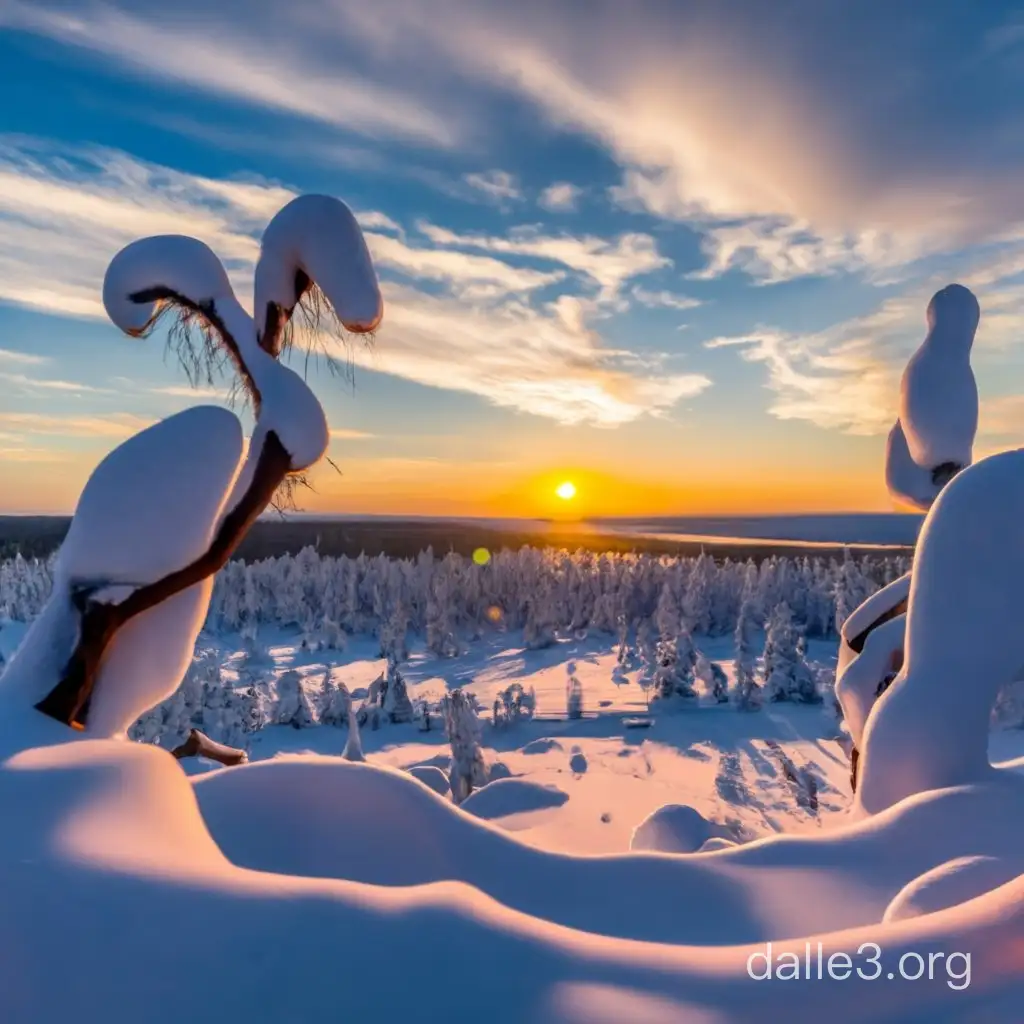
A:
x,y
481,556
566,491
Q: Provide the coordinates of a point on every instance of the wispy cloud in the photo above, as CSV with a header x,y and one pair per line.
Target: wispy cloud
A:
x,y
470,276
775,139
20,453
561,197
537,361
9,356
498,187
23,381
287,76
608,263
664,299
374,220
846,377
116,425
488,331
343,434
181,391
773,250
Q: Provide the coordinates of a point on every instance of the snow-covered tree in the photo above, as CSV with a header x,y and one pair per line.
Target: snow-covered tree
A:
x,y
294,707
468,771
787,675
697,604
573,692
622,631
666,615
335,701
440,626
513,704
353,745
746,693
396,703
539,627
676,661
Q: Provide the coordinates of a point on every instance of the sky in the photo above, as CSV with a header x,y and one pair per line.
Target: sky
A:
x,y
675,252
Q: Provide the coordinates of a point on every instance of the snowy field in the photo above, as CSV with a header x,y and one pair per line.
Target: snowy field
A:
x,y
276,652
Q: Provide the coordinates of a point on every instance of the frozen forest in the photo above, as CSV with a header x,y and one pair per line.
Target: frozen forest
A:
x,y
653,611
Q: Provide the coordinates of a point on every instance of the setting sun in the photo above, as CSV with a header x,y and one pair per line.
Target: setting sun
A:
x,y
566,491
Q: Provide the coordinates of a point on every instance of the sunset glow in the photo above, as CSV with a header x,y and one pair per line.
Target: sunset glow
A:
x,y
581,322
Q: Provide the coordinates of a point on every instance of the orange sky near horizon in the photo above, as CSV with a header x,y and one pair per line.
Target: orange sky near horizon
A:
x,y
434,487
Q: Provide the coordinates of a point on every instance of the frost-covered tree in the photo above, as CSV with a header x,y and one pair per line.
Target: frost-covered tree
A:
x,y
746,693
330,636
539,627
335,701
353,745
622,631
440,625
468,771
851,588
396,703
676,661
666,615
573,692
394,637
787,675
513,704
697,604
293,707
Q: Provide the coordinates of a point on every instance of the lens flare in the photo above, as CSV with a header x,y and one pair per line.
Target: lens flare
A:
x,y
481,556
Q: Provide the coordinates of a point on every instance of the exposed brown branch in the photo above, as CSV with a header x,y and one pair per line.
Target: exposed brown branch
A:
x,y
68,701
199,744
198,337
857,643
314,320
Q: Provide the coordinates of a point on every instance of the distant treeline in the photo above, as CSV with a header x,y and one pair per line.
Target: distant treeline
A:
x,y
39,536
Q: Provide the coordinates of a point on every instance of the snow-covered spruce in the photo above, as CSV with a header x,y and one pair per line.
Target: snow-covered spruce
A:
x,y
787,676
468,771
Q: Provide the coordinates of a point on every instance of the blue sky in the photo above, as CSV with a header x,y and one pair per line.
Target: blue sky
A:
x,y
676,251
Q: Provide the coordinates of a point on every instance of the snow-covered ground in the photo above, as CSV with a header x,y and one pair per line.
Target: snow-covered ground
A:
x,y
727,763
782,769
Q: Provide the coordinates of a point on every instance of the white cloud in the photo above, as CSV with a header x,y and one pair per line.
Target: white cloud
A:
x,y
757,138
544,362
115,425
561,196
498,186
608,263
25,382
282,77
63,214
345,434
374,220
773,250
846,377
180,390
21,358
469,276
664,299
